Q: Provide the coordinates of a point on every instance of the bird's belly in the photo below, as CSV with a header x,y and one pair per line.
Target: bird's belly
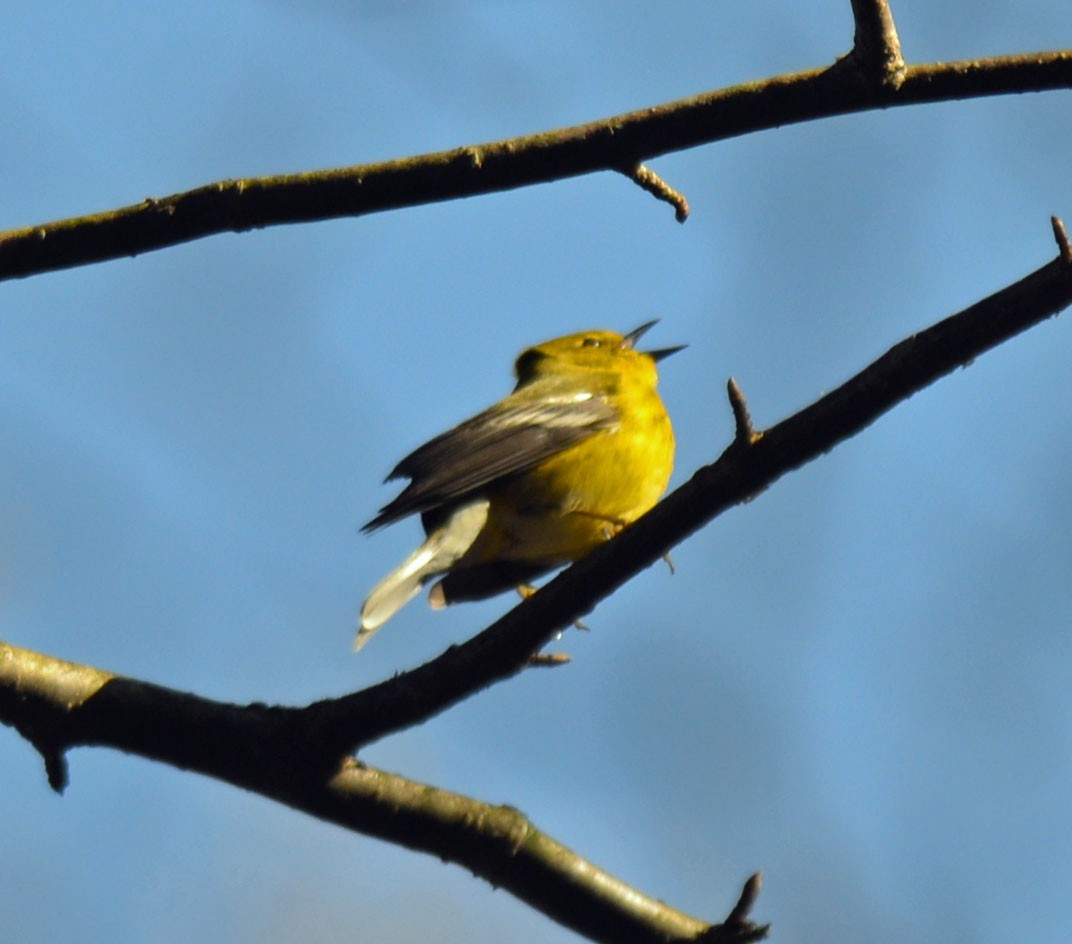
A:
x,y
577,500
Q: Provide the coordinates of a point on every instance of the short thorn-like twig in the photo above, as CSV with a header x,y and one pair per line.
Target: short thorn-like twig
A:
x,y
56,770
738,927
747,901
1061,236
660,189
746,433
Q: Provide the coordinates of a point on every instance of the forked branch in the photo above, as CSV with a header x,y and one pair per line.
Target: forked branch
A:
x,y
293,754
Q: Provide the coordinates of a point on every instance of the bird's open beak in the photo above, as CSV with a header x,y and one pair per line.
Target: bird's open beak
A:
x,y
630,340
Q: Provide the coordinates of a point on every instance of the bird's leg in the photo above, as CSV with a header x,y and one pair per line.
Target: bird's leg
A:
x,y
611,524
542,659
548,660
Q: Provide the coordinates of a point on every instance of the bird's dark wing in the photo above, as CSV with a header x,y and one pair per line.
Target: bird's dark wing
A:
x,y
506,439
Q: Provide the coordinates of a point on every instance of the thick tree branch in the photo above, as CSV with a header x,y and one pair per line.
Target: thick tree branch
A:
x,y
291,754
58,705
624,141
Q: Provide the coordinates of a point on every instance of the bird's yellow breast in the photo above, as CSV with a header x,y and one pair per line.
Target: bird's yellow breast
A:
x,y
576,500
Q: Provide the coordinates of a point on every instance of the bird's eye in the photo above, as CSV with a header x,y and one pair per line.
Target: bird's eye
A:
x,y
591,342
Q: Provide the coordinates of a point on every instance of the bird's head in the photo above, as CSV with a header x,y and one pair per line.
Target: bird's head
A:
x,y
591,352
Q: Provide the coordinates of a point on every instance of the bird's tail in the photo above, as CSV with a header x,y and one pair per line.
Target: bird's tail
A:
x,y
440,551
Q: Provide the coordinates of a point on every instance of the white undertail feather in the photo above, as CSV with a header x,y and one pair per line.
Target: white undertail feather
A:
x,y
442,548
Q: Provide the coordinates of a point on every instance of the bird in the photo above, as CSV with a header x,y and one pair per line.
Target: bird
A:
x,y
582,447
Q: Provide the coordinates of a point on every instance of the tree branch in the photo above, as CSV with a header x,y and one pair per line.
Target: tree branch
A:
x,y
291,754
57,705
752,462
624,141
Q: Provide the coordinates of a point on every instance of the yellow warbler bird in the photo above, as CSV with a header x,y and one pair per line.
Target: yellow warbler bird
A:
x,y
582,447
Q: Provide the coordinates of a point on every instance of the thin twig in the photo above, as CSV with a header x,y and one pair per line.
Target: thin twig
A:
x,y
1061,236
876,49
745,433
650,181
747,901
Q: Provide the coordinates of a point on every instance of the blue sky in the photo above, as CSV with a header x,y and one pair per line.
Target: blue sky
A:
x,y
861,682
